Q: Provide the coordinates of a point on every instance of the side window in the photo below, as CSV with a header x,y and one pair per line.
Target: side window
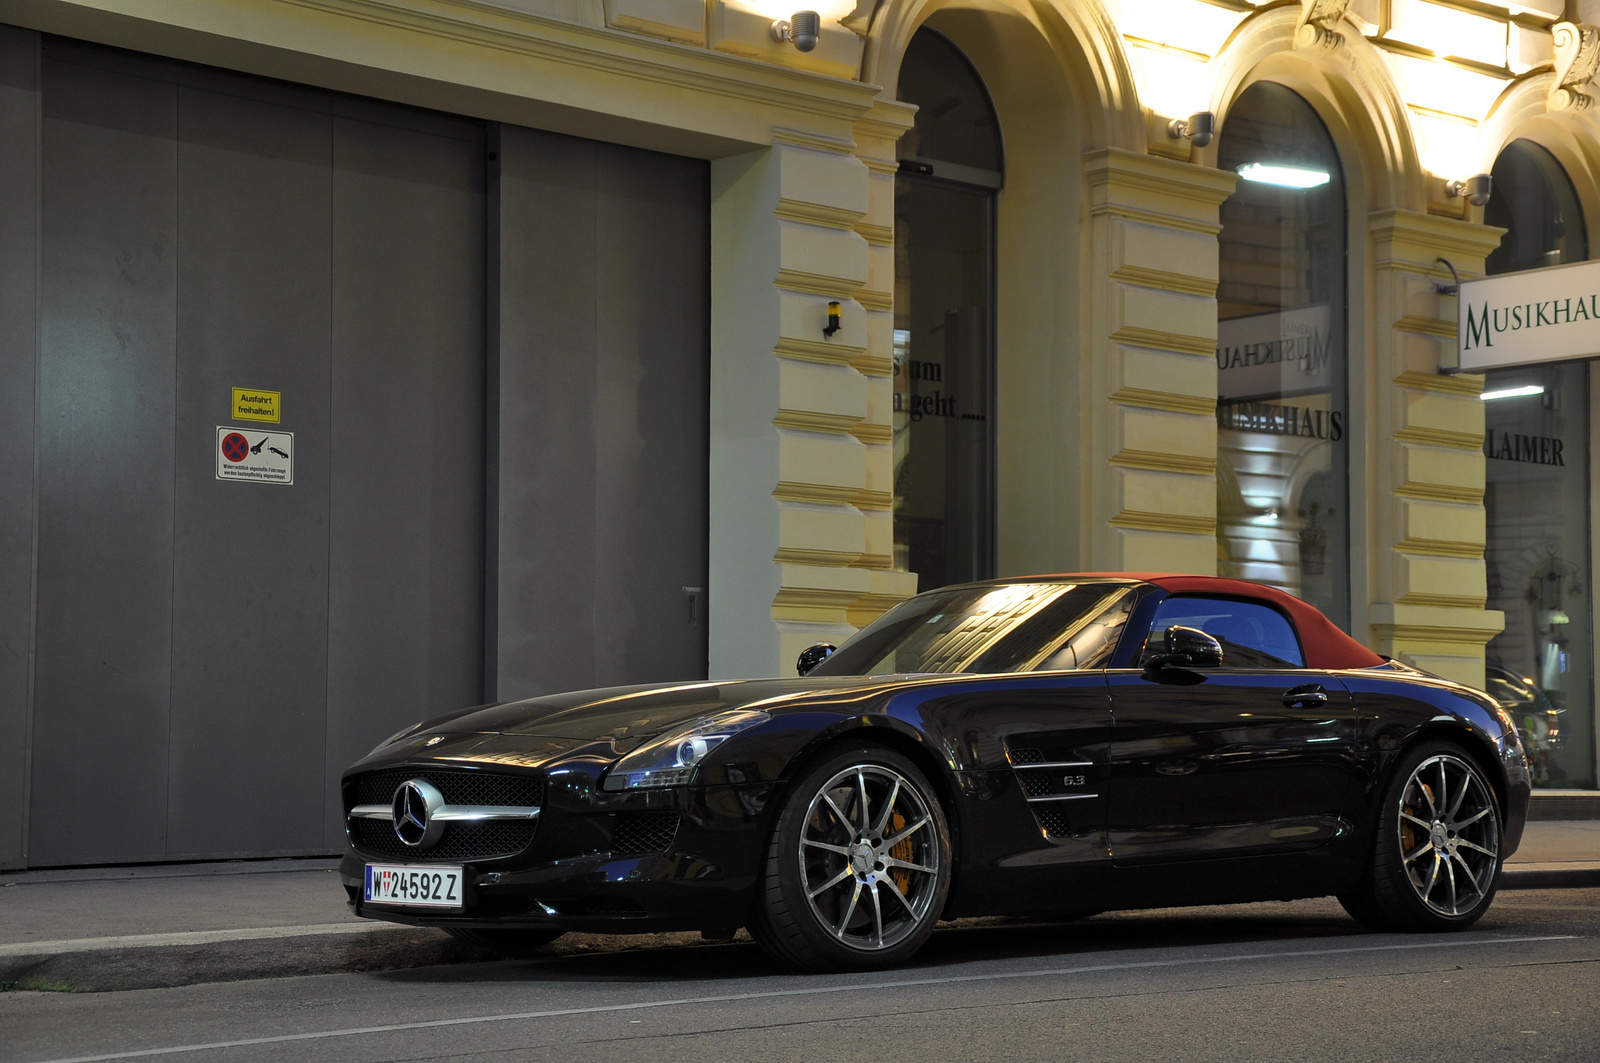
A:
x,y
1252,635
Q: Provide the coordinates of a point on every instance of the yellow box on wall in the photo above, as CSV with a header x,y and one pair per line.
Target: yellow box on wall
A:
x,y
251,404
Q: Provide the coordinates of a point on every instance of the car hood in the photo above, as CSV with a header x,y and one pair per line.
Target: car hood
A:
x,y
623,715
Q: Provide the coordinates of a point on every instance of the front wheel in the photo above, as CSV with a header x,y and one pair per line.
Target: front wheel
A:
x,y
1436,854
859,865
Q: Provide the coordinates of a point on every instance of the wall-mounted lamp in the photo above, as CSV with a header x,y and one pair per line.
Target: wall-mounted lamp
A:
x,y
833,319
1198,127
1476,188
801,29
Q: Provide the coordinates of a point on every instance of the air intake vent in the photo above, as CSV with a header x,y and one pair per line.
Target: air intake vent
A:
x,y
1054,821
1025,756
1037,782
644,832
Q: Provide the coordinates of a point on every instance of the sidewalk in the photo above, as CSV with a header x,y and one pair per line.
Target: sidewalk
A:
x,y
149,927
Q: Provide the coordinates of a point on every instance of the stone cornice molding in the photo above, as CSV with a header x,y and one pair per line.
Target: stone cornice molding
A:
x,y
434,39
607,50
1417,238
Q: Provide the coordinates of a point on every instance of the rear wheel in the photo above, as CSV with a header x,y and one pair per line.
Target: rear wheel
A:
x,y
512,942
1436,852
858,868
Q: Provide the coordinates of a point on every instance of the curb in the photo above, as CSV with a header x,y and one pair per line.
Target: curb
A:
x,y
146,966
1554,878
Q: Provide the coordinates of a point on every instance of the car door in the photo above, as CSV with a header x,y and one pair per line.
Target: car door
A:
x,y
1256,756
1031,736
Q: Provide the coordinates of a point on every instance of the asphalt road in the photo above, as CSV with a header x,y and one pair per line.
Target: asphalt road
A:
x,y
1251,982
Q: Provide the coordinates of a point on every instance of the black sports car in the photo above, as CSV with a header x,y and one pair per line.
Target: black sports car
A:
x,y
1057,745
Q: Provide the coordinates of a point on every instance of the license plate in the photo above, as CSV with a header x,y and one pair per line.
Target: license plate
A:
x,y
419,887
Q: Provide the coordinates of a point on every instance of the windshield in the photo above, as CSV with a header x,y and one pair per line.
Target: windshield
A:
x,y
1020,627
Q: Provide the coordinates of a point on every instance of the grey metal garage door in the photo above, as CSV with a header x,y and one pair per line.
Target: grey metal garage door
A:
x,y
188,662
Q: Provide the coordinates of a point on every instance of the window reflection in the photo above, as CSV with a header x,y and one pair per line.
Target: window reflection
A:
x,y
1282,409
1021,627
1536,497
944,320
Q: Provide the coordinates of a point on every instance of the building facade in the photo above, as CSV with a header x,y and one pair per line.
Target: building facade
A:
x,y
623,340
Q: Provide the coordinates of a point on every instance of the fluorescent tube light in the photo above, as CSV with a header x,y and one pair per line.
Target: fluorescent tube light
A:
x,y
1512,393
1283,176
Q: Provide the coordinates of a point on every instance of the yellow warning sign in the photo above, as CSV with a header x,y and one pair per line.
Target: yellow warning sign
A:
x,y
252,405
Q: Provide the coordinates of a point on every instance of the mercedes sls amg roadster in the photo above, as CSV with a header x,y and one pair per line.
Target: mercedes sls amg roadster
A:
x,y
1051,746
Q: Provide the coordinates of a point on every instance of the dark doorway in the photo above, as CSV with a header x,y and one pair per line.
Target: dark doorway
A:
x,y
944,338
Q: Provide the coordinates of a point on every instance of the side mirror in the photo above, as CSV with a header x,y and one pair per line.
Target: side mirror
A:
x,y
1188,647
812,656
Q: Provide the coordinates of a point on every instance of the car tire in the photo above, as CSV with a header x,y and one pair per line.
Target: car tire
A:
x,y
512,942
859,864
1435,861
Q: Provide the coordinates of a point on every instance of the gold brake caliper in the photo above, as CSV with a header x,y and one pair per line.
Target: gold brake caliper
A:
x,y
903,851
1408,833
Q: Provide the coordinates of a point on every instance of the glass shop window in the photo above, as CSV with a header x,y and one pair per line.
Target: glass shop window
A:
x,y
1536,446
944,346
1282,378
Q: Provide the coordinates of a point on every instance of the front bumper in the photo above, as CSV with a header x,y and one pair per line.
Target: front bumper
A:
x,y
570,878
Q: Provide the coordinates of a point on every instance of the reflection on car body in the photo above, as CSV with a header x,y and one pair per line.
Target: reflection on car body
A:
x,y
1053,745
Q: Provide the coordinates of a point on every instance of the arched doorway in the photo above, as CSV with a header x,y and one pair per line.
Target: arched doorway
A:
x,y
951,167
1282,368
1536,493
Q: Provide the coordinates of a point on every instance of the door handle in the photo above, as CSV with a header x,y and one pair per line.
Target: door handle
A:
x,y
1305,696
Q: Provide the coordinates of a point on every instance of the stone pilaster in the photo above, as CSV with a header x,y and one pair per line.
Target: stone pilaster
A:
x,y
1426,477
796,520
876,137
1149,432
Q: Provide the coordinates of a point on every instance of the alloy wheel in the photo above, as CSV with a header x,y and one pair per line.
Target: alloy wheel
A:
x,y
869,857
1449,833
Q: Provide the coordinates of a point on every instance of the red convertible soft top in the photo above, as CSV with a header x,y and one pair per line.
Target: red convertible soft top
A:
x,y
1325,645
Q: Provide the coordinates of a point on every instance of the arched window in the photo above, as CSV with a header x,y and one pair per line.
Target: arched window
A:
x,y
1282,378
944,347
1536,205
1536,493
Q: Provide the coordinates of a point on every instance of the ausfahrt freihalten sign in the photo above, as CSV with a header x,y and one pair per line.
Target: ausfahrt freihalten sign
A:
x,y
1541,315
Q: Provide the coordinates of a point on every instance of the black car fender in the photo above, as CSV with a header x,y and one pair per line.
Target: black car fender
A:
x,y
778,751
1460,715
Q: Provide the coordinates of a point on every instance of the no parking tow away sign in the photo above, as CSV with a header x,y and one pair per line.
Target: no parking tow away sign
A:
x,y
255,456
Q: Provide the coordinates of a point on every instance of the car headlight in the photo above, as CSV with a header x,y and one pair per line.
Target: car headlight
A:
x,y
671,760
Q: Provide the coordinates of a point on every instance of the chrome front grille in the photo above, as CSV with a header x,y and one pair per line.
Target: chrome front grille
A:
x,y
458,787
486,815
461,841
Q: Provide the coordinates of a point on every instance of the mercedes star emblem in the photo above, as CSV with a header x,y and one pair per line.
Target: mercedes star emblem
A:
x,y
415,803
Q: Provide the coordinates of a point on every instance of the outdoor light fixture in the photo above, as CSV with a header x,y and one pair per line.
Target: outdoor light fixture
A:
x,y
1269,173
801,30
1198,127
1512,393
833,319
1476,188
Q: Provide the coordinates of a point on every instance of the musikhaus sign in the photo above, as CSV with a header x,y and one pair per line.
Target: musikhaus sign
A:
x,y
1541,315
